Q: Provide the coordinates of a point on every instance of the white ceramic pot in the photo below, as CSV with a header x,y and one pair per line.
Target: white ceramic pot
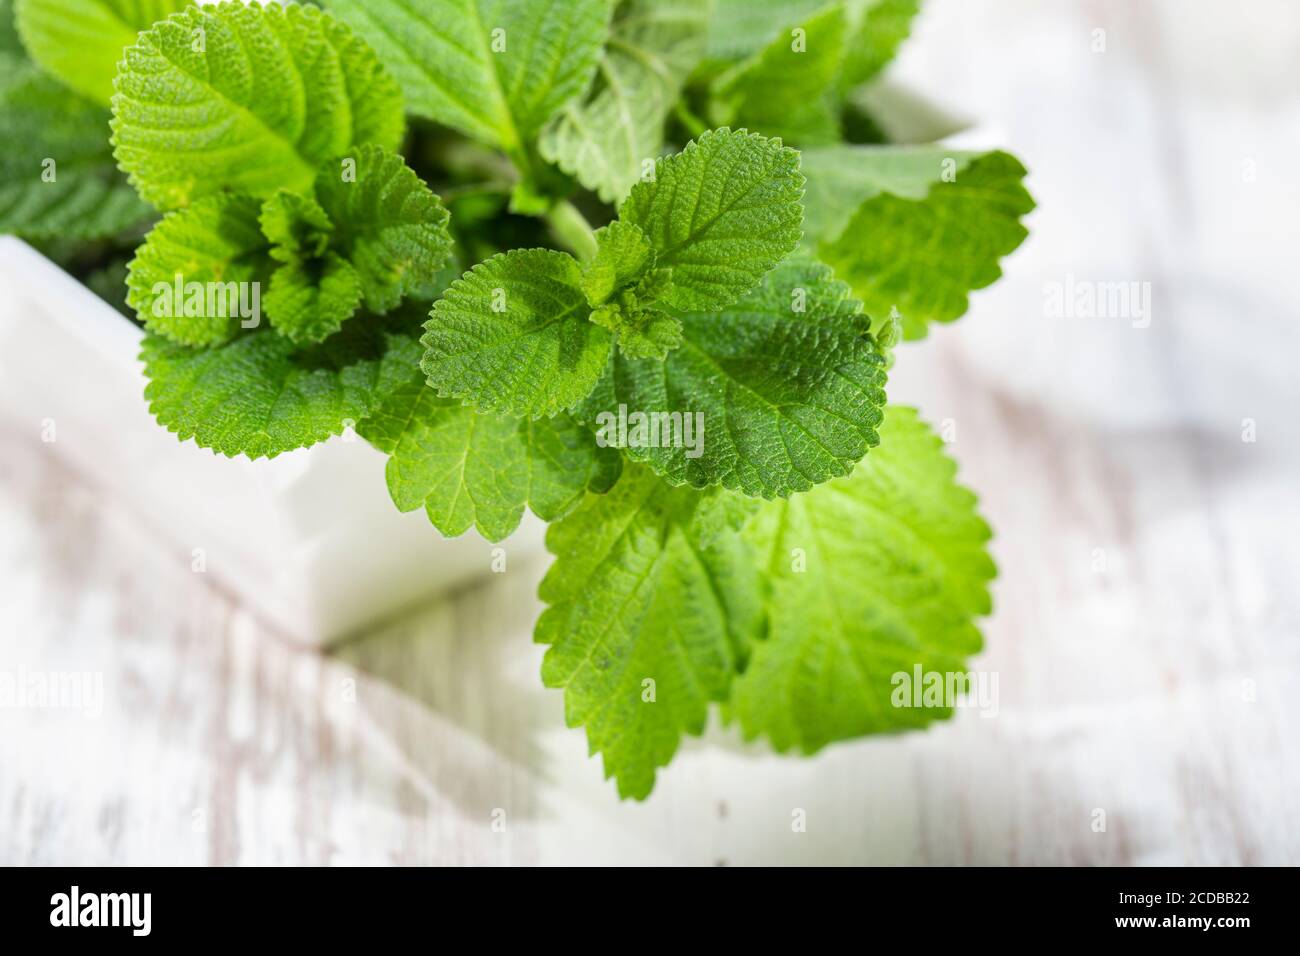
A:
x,y
310,540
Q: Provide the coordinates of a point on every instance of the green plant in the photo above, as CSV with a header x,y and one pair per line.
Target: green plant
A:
x,y
693,392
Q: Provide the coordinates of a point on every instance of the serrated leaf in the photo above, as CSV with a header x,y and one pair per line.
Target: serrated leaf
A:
x,y
606,138
651,611
296,226
720,214
389,224
512,336
871,575
260,395
309,300
81,41
496,70
876,30
787,88
623,255
470,469
775,399
914,228
216,240
57,174
248,99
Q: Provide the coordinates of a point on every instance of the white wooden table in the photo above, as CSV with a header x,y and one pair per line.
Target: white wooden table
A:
x,y
1147,616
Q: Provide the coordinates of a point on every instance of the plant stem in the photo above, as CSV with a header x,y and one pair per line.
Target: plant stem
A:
x,y
571,229
693,123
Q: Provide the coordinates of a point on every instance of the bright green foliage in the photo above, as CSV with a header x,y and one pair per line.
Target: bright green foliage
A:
x,y
720,214
309,299
624,290
694,397
915,229
741,28
653,604
870,575
877,29
390,226
623,255
470,469
787,386
247,99
496,70
512,336
260,395
609,138
215,240
57,175
81,41
786,88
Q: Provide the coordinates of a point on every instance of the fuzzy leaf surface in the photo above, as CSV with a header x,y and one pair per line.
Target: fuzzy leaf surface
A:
x,y
871,575
246,99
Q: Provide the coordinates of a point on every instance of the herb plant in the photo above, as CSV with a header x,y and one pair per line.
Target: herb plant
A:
x,y
693,392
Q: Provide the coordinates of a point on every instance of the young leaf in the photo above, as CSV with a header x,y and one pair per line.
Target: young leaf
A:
x,y
871,575
914,228
310,300
623,255
260,395
216,240
81,41
652,605
466,468
780,391
606,139
786,88
512,336
390,226
720,214
248,99
876,30
57,174
496,70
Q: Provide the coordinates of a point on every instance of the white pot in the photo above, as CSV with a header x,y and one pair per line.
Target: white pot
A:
x,y
310,540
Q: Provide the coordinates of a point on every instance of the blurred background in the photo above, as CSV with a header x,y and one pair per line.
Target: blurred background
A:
x,y
1143,479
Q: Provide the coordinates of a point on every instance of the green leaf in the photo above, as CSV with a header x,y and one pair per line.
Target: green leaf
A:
x,y
248,99
623,255
740,28
81,41
720,214
260,395
512,336
466,468
216,240
871,575
652,606
389,224
786,88
57,174
309,300
606,139
496,70
877,28
914,228
776,399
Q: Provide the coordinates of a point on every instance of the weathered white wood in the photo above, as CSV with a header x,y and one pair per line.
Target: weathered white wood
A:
x,y
1147,612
